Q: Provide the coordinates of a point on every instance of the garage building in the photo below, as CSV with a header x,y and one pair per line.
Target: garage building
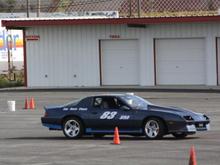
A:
x,y
68,52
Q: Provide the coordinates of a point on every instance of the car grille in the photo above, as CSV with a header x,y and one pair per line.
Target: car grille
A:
x,y
200,126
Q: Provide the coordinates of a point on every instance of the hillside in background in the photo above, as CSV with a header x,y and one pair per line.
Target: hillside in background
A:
x,y
125,8
20,5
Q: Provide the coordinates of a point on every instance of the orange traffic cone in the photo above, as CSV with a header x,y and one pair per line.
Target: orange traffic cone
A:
x,y
192,159
32,103
116,137
26,106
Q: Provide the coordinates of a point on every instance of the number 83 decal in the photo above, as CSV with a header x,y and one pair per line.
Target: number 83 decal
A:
x,y
108,115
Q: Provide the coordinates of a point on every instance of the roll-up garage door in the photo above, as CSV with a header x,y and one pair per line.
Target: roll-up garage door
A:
x,y
120,62
180,61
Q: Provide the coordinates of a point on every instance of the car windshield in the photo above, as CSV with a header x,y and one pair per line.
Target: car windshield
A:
x,y
136,102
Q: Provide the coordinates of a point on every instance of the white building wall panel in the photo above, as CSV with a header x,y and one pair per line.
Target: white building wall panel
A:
x,y
69,55
196,30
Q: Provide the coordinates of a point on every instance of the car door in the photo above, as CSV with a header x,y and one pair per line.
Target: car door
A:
x,y
101,117
106,113
128,118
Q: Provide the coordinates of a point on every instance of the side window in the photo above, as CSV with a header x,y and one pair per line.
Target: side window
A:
x,y
121,105
105,103
97,102
118,102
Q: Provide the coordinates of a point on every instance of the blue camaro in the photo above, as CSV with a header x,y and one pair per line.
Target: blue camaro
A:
x,y
99,115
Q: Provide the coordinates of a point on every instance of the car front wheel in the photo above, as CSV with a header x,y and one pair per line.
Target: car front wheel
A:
x,y
154,128
72,128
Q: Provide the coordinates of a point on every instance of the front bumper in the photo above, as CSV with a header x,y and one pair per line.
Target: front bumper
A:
x,y
197,127
194,126
189,127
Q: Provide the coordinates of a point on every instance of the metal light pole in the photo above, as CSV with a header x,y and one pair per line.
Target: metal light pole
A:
x,y
10,58
139,8
38,8
27,3
130,12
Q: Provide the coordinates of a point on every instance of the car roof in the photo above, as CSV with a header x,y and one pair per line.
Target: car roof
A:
x,y
111,94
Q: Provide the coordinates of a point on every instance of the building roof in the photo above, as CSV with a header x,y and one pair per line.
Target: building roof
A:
x,y
29,22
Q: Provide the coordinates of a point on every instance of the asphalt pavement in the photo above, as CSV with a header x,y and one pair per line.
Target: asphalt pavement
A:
x,y
23,141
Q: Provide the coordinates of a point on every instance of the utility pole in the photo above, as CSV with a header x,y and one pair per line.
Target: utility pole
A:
x,y
130,12
10,59
139,8
38,8
27,3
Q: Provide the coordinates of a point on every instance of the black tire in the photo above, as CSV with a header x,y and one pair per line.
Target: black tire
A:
x,y
151,132
98,136
72,128
179,135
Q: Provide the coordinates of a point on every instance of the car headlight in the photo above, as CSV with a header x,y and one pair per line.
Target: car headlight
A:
x,y
188,118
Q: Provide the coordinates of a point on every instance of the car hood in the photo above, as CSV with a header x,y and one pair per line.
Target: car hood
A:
x,y
179,111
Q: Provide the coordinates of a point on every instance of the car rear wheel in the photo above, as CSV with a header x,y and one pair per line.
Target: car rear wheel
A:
x,y
179,135
72,128
154,128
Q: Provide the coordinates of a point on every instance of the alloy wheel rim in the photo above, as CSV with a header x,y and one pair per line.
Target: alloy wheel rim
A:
x,y
72,128
152,128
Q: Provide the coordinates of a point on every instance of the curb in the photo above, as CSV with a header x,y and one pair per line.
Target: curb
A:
x,y
116,89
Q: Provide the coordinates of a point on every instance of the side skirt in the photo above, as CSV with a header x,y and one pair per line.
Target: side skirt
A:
x,y
111,131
